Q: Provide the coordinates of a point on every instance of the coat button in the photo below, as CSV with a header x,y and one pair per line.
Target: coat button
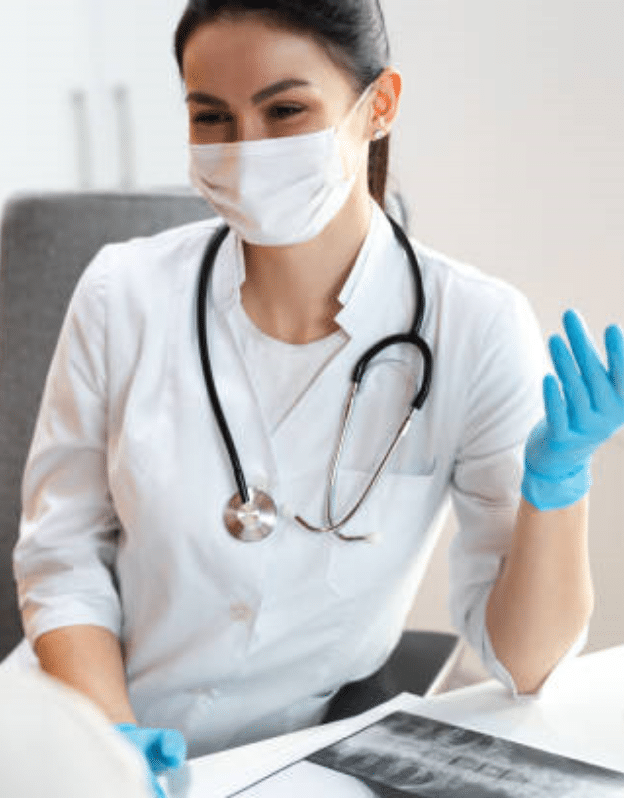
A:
x,y
241,612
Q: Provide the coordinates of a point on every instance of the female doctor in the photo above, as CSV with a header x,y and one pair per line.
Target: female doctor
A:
x,y
182,559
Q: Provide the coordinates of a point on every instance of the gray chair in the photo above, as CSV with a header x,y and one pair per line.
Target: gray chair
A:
x,y
45,243
421,664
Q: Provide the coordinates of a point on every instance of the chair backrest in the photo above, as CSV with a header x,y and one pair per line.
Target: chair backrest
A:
x,y
45,243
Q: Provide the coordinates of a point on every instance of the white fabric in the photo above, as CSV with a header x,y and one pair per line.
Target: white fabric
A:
x,y
281,372
228,641
54,743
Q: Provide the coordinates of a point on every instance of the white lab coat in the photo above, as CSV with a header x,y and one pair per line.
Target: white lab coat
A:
x,y
127,479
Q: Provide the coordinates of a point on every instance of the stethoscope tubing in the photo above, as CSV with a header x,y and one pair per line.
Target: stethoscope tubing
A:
x,y
202,315
411,337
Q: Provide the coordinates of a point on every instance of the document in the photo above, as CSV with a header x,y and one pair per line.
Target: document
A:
x,y
405,754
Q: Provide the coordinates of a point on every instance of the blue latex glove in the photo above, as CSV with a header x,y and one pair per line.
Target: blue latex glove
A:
x,y
559,449
162,748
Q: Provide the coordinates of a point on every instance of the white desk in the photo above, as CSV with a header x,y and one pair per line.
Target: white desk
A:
x,y
580,714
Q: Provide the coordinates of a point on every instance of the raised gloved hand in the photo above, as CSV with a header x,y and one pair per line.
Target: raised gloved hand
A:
x,y
162,748
559,448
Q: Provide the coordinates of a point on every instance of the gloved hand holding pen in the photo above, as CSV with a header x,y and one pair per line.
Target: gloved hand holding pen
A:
x,y
580,416
162,748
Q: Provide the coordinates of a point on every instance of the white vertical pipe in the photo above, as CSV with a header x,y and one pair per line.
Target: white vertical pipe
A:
x,y
125,148
83,140
103,152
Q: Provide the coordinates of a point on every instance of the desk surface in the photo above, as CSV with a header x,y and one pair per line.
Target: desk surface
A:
x,y
580,714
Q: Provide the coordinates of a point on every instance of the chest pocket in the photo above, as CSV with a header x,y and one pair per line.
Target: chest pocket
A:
x,y
397,517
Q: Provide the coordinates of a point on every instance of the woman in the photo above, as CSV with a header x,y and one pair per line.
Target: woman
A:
x,y
131,587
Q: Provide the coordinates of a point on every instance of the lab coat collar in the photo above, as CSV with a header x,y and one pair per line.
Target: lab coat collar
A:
x,y
226,281
360,294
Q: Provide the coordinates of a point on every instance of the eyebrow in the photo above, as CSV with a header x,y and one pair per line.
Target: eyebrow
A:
x,y
264,94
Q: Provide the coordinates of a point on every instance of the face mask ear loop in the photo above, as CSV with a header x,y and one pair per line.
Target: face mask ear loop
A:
x,y
358,104
338,130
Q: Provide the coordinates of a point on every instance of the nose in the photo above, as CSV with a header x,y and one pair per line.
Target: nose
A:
x,y
248,127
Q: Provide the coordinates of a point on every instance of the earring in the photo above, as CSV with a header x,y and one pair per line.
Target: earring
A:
x,y
380,133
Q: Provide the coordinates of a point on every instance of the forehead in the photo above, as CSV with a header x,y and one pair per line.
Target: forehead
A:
x,y
247,53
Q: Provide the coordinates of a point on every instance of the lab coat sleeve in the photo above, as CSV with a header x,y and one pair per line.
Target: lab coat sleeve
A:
x,y
64,557
503,403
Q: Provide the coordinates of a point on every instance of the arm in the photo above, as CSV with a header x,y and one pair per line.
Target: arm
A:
x,y
65,557
88,658
66,550
543,596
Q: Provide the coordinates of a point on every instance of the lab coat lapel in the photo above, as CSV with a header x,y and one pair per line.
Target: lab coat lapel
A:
x,y
376,305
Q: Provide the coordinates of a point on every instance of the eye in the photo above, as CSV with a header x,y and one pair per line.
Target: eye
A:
x,y
213,118
285,111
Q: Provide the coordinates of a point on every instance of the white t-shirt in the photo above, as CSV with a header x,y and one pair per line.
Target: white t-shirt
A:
x,y
282,372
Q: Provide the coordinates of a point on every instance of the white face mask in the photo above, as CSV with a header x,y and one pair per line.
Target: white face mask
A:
x,y
280,191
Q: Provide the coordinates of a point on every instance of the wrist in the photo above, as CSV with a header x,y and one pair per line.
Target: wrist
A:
x,y
554,492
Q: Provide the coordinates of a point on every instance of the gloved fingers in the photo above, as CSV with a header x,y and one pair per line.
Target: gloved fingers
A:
x,y
574,388
162,748
614,346
589,363
173,747
556,411
166,749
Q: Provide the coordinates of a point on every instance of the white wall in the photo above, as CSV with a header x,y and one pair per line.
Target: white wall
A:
x,y
510,150
41,63
93,48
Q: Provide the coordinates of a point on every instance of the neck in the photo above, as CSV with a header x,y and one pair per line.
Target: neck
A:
x,y
291,293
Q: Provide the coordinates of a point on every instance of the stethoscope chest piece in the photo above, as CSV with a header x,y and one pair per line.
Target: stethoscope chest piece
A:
x,y
253,520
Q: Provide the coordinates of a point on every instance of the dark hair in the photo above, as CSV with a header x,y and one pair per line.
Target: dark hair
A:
x,y
352,32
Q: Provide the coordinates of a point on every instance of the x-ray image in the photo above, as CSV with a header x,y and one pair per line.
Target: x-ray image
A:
x,y
409,755
406,754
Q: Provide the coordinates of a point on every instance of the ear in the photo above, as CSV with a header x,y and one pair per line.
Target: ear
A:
x,y
385,102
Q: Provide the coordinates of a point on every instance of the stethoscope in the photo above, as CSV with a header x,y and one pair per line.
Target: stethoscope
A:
x,y
251,514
